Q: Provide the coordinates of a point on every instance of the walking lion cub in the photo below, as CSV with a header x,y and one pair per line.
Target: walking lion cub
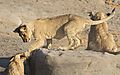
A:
x,y
48,28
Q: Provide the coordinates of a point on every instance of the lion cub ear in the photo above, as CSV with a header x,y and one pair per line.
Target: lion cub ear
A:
x,y
20,28
17,30
23,28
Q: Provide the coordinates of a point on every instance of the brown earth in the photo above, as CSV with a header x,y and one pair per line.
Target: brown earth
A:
x,y
27,10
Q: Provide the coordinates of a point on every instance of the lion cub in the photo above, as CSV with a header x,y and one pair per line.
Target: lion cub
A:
x,y
100,38
16,66
48,28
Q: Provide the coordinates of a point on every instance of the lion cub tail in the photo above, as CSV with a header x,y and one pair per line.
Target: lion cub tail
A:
x,y
103,20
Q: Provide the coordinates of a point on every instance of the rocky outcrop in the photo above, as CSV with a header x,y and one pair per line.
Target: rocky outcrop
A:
x,y
79,62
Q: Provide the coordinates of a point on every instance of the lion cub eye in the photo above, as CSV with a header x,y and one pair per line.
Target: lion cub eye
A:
x,y
23,35
22,29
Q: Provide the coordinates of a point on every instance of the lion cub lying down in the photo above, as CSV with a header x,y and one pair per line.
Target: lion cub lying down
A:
x,y
100,38
48,28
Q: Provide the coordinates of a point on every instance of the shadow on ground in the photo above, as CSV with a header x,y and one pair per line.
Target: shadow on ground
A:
x,y
4,61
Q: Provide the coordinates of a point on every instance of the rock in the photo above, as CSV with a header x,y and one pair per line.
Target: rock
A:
x,y
79,62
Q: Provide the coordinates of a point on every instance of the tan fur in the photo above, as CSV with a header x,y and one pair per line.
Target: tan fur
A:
x,y
110,2
99,37
56,27
16,66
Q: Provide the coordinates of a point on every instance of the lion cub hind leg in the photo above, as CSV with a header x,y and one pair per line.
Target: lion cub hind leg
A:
x,y
71,30
77,42
71,43
74,41
48,44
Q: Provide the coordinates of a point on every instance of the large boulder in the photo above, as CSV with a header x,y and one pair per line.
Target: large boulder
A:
x,y
79,62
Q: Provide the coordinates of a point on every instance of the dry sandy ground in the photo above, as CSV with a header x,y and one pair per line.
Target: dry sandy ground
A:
x,y
27,10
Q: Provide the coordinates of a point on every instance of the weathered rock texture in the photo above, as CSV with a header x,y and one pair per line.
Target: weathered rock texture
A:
x,y
79,62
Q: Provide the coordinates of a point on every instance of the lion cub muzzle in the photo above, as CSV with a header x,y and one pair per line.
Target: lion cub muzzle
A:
x,y
26,39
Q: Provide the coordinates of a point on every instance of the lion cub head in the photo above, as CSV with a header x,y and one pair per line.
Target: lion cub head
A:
x,y
16,65
24,32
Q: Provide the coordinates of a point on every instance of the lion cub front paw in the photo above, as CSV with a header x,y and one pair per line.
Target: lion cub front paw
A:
x,y
49,46
27,54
